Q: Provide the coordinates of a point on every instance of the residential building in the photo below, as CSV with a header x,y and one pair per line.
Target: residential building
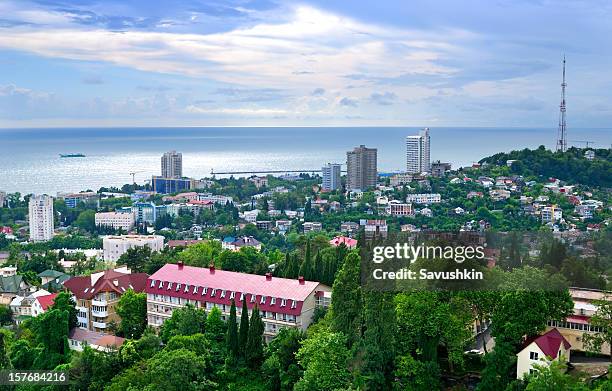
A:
x,y
282,302
350,243
361,165
418,153
145,212
250,216
41,218
21,306
216,198
8,271
283,225
439,169
115,246
312,226
374,228
53,280
265,225
183,243
578,323
259,181
97,295
584,211
396,208
172,165
499,194
541,350
349,227
3,199
181,197
79,338
235,244
331,176
551,214
399,179
115,220
164,185
589,155
74,199
425,198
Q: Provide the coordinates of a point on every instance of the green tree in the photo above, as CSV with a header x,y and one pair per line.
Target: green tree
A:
x,y
22,355
233,344
132,309
347,302
86,221
254,347
187,320
6,315
215,326
136,258
324,357
63,302
552,377
243,333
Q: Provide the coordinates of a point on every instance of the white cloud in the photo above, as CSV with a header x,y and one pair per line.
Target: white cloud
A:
x,y
310,47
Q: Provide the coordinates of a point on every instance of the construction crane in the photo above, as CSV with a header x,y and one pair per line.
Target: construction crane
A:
x,y
586,142
133,174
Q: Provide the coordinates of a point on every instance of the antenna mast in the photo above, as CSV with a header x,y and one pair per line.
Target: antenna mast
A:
x,y
562,136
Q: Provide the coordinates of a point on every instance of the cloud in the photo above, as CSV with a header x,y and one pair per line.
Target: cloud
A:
x,y
250,95
384,99
318,91
348,102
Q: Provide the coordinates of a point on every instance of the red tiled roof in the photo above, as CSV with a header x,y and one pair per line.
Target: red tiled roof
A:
x,y
220,281
46,301
183,243
549,343
338,240
111,281
95,338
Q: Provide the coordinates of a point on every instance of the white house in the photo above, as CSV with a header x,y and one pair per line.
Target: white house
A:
x,y
541,350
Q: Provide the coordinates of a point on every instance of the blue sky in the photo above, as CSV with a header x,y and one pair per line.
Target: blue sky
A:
x,y
268,62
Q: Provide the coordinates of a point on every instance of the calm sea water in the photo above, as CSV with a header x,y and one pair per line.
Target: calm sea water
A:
x,y
30,162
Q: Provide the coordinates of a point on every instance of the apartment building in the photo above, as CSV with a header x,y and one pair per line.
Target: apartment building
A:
x,y
424,198
41,218
172,165
399,179
396,208
551,214
235,244
418,153
361,166
282,302
259,181
115,246
311,226
375,228
331,173
72,200
97,295
115,220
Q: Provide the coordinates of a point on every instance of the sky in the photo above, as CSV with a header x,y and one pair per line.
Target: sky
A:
x,y
304,63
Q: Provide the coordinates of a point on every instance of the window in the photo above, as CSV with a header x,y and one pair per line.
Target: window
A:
x,y
253,298
222,295
204,290
534,355
161,284
152,283
178,286
186,288
169,285
232,295
262,300
195,289
213,292
241,296
273,301
283,302
293,304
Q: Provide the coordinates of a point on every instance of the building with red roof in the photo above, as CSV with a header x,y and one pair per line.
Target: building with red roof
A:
x,y
42,303
79,338
97,295
282,302
541,350
348,242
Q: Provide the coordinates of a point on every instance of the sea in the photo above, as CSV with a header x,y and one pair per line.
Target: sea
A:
x,y
30,159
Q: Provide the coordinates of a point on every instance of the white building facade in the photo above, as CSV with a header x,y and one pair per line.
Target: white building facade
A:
x,y
172,165
115,246
331,176
418,153
41,218
115,220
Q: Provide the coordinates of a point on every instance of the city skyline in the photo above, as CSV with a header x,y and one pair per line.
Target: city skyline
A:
x,y
313,63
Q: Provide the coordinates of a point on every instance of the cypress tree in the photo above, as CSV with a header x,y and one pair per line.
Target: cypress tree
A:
x,y
254,349
244,327
232,333
306,270
347,302
294,268
319,268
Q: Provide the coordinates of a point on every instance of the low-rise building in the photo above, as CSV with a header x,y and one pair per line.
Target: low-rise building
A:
x,y
374,228
282,302
400,179
72,200
349,227
499,194
425,198
312,226
235,244
439,169
97,295
541,350
396,208
259,181
115,220
12,286
115,246
350,243
79,338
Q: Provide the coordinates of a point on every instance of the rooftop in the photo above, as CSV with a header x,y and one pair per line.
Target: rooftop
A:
x,y
549,343
86,287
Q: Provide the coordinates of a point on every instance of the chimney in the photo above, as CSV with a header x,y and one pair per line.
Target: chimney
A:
x,y
211,267
268,276
180,265
301,280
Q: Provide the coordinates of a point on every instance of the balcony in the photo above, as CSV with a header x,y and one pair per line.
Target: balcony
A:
x,y
99,314
99,303
99,325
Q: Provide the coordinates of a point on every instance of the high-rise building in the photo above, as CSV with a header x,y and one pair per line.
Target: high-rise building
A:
x,y
417,153
361,168
172,165
41,218
331,176
2,198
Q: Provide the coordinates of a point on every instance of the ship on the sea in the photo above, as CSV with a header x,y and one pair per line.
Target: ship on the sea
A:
x,y
71,155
